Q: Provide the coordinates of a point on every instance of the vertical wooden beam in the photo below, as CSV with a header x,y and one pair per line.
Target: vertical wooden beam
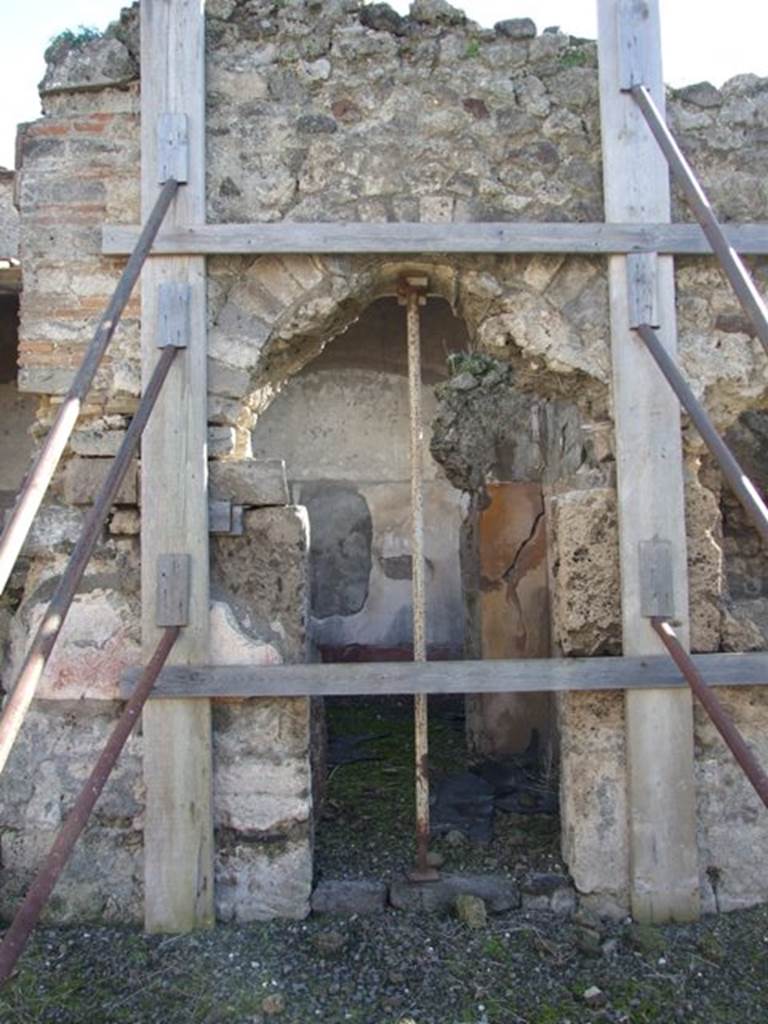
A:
x,y
178,830
662,818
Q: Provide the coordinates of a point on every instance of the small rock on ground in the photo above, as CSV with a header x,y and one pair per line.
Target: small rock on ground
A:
x,y
471,911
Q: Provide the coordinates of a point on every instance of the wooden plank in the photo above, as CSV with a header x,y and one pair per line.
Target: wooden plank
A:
x,y
663,858
173,573
508,237
522,675
178,830
629,40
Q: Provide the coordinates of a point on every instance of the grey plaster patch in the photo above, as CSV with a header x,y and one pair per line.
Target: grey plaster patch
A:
x,y
341,533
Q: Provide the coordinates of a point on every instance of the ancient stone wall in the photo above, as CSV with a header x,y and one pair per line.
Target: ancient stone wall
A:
x,y
338,111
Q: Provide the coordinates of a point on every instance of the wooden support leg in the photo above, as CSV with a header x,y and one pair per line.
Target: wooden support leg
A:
x,y
178,832
663,862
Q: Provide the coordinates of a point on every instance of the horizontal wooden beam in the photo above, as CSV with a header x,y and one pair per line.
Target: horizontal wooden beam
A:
x,y
292,237
502,676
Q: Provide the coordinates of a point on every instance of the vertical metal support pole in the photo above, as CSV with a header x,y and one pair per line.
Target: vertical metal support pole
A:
x,y
413,293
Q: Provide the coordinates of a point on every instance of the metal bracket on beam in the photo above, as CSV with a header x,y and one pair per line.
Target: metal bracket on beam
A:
x,y
225,519
631,14
657,598
642,289
173,319
173,578
172,148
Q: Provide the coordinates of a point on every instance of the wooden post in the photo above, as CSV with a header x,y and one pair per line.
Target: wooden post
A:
x,y
662,819
178,830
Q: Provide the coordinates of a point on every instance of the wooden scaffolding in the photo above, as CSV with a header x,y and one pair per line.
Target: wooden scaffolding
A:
x,y
640,244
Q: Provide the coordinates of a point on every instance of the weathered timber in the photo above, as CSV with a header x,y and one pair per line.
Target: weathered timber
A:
x,y
178,824
522,675
663,868
507,237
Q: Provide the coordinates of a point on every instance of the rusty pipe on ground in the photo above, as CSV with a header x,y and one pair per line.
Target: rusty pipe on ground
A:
x,y
40,650
27,915
413,294
711,703
39,477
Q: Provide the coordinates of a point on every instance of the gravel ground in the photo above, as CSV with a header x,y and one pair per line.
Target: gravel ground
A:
x,y
394,968
398,967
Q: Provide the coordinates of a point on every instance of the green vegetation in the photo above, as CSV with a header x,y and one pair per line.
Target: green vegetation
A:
x,y
472,50
574,58
77,39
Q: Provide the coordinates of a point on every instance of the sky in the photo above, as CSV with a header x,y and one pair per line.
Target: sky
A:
x,y
701,40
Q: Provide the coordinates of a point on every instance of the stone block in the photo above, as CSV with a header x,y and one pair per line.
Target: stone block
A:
x,y
516,28
500,894
221,441
593,793
227,380
349,896
97,441
260,882
586,609
83,478
253,482
125,522
256,797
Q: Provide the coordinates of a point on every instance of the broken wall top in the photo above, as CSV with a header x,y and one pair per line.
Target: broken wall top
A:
x,y
343,111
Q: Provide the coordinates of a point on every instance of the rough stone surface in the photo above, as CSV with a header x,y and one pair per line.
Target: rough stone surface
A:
x,y
95,63
593,801
265,572
258,882
9,217
586,613
350,896
516,28
498,893
83,478
252,482
52,757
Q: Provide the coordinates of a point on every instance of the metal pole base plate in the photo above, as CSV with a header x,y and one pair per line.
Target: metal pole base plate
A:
x,y
423,875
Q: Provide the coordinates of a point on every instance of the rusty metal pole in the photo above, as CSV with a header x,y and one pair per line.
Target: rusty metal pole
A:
x,y
739,482
27,915
39,477
711,703
50,627
732,264
413,293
